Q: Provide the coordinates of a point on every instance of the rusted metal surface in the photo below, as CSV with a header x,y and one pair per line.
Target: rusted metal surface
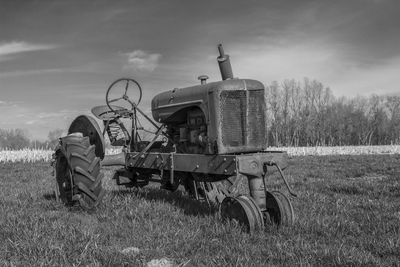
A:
x,y
252,164
248,164
286,208
197,163
233,128
224,64
89,127
279,208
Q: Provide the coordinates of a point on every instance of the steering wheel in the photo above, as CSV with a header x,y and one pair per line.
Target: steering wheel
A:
x,y
122,85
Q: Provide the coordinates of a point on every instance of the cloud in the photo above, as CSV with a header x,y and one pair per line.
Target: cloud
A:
x,y
17,73
10,103
49,117
142,61
342,74
379,79
297,61
15,47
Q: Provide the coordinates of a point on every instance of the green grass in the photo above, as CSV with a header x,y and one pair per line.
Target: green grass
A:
x,y
348,213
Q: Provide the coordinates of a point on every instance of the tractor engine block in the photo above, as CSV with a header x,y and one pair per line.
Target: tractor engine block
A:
x,y
190,136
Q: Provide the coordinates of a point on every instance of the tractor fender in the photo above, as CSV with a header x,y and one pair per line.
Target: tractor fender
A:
x,y
88,126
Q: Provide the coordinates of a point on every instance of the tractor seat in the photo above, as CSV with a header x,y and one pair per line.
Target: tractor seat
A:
x,y
104,113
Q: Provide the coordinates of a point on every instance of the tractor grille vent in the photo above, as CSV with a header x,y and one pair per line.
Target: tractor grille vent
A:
x,y
256,118
243,118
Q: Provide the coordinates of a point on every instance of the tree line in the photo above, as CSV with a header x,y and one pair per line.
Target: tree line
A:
x,y
306,113
15,139
298,113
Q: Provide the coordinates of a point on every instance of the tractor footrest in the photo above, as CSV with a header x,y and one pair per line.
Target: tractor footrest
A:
x,y
121,178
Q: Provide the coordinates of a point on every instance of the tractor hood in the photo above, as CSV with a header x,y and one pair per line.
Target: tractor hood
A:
x,y
167,104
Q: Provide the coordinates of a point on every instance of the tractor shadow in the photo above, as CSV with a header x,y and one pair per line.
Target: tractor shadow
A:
x,y
178,198
49,196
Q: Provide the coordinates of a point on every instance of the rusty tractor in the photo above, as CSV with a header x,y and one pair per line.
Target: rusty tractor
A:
x,y
209,138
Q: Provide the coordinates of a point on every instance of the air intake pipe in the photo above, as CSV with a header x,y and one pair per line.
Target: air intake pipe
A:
x,y
224,64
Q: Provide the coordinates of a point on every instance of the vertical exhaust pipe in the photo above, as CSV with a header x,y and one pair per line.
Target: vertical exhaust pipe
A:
x,y
224,64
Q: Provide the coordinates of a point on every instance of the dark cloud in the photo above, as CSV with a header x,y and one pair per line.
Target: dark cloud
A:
x,y
363,31
350,45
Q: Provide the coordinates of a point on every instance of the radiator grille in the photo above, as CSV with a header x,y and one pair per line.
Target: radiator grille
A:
x,y
242,119
256,118
233,112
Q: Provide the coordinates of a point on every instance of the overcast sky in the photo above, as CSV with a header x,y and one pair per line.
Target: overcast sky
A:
x,y
58,57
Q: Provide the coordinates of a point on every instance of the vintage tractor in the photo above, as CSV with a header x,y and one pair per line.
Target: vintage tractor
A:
x,y
210,138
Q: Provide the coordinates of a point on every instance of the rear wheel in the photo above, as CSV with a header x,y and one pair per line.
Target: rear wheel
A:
x,y
78,172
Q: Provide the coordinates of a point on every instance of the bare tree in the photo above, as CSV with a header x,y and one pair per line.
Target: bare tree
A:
x,y
53,137
13,139
308,114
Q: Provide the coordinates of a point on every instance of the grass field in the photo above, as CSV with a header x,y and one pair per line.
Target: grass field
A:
x,y
33,155
348,213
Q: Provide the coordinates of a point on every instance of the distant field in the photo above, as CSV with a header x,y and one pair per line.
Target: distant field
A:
x,y
339,150
348,213
34,155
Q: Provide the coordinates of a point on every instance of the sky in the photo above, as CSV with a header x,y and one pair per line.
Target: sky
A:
x,y
57,57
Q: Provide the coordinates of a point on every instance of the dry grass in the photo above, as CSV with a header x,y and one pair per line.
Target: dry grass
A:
x,y
347,215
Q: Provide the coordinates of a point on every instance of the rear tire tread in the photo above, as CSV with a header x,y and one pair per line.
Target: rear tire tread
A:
x,y
81,163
